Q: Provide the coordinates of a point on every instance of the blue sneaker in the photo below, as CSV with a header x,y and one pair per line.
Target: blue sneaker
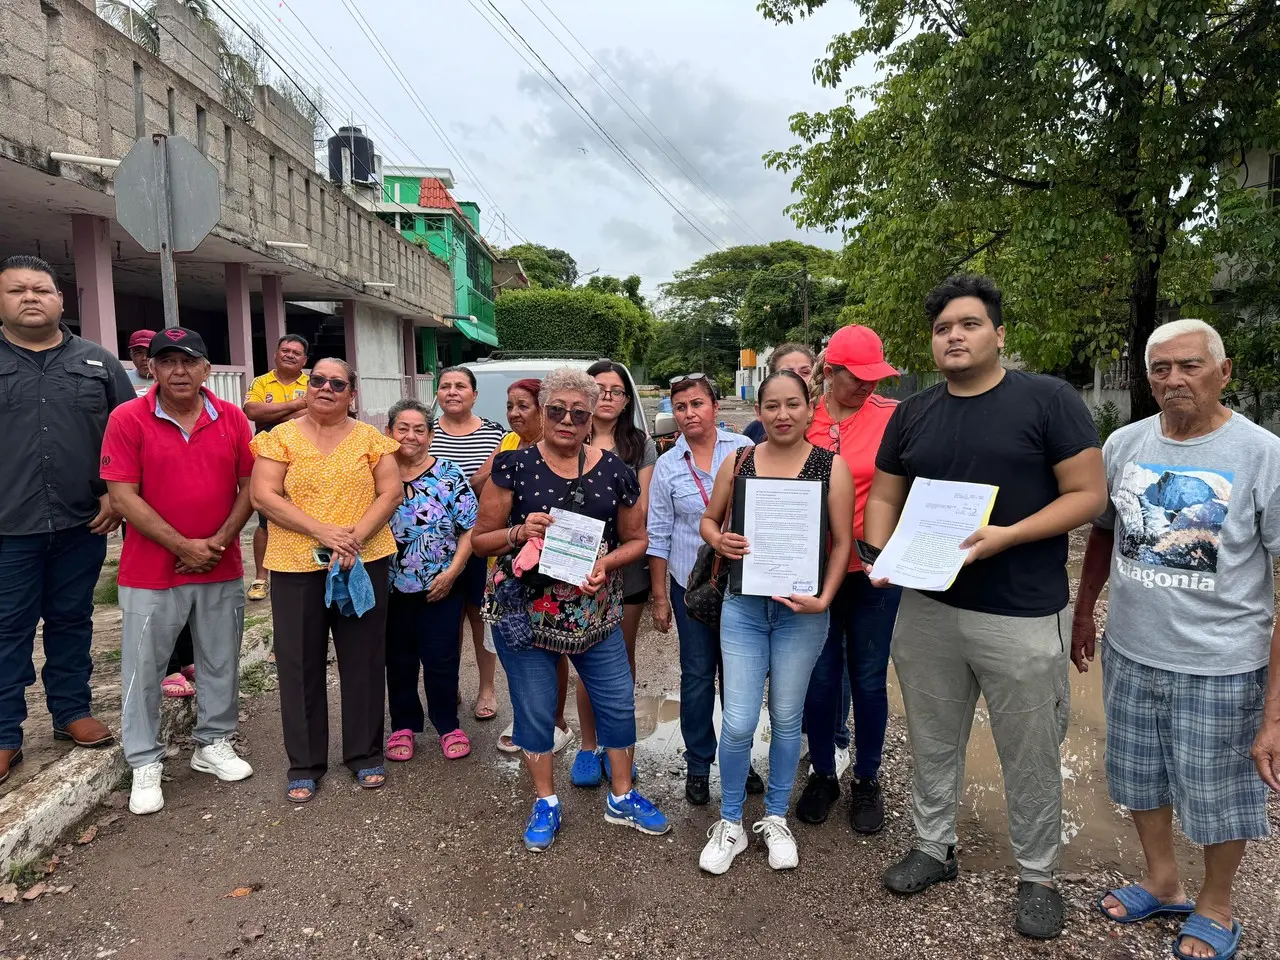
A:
x,y
587,771
544,823
608,772
635,811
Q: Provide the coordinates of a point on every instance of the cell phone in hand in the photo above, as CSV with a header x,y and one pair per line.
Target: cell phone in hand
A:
x,y
323,556
866,552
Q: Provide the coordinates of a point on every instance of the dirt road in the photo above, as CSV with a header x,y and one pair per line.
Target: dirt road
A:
x,y
432,866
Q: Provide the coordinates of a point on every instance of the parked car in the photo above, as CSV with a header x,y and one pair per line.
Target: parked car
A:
x,y
497,372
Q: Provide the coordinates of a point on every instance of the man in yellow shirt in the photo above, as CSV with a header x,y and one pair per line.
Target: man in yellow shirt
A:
x,y
274,398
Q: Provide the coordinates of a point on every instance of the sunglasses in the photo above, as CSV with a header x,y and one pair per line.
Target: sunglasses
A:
x,y
834,433
556,414
688,376
333,383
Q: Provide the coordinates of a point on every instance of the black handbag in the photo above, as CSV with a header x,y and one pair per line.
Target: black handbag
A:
x,y
705,593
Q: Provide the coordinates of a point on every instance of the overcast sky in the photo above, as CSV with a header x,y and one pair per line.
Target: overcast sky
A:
x,y
713,75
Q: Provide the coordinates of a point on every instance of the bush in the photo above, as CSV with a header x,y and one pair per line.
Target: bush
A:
x,y
1106,417
577,319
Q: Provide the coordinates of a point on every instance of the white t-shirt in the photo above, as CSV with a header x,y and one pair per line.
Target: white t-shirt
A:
x,y
1197,523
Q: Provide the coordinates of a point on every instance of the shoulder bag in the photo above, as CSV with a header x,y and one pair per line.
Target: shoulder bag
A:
x,y
705,593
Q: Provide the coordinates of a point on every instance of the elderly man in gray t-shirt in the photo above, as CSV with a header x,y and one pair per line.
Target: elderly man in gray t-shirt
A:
x,y
1188,542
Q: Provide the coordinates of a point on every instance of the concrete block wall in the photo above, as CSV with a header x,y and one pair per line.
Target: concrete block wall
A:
x,y
280,122
379,361
69,82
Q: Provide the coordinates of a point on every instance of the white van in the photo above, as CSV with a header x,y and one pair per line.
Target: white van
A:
x,y
494,374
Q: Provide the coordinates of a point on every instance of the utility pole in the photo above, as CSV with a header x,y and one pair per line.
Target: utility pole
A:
x,y
804,262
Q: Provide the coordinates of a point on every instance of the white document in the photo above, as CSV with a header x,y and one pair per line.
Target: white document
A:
x,y
924,552
783,526
570,546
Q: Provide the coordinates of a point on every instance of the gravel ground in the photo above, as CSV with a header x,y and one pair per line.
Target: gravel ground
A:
x,y
432,866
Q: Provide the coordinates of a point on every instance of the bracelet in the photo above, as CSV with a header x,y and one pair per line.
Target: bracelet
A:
x,y
511,540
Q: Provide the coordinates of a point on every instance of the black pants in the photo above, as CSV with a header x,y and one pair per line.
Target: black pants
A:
x,y
302,626
184,652
426,634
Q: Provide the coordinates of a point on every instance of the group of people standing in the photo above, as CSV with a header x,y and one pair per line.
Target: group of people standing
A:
x,y
394,542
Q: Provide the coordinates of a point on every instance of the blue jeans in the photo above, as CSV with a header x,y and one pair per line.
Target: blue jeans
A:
x,y
759,637
49,576
699,661
423,636
862,619
532,684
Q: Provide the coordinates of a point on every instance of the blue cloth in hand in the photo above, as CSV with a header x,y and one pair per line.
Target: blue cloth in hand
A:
x,y
351,590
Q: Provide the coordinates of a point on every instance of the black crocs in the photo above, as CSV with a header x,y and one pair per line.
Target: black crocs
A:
x,y
918,871
1039,912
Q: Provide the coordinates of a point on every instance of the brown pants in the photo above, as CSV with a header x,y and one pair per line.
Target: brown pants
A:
x,y
302,626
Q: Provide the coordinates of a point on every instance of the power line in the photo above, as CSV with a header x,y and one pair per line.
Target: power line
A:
x,y
717,200
587,117
417,101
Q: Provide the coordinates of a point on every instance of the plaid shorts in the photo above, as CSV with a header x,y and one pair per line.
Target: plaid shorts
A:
x,y
1181,739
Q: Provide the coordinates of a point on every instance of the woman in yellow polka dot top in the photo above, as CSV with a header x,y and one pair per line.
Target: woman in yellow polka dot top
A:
x,y
328,486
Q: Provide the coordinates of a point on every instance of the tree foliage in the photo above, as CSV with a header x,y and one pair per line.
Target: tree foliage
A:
x,y
692,339
546,267
1073,149
577,319
629,288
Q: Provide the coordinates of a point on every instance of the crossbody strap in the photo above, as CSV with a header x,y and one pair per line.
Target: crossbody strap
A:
x,y
688,462
739,459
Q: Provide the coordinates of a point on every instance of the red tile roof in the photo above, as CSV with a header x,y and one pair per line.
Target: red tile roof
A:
x,y
434,195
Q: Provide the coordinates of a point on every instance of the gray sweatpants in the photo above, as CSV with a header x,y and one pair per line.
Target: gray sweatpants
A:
x,y
152,621
944,658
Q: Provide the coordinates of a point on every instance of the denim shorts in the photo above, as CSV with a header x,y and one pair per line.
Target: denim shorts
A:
x,y
1182,739
533,686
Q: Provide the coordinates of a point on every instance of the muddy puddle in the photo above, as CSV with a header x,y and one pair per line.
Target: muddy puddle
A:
x,y
1096,832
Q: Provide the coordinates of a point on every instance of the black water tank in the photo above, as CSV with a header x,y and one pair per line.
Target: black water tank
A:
x,y
361,147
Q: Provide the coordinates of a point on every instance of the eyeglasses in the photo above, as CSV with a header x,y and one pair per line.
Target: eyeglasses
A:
x,y
333,383
556,414
615,393
834,433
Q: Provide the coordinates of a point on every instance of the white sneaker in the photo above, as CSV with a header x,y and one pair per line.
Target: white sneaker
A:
x,y
220,759
146,796
562,739
783,854
727,840
842,761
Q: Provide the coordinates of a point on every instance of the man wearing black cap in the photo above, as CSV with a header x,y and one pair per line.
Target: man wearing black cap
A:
x,y
177,465
56,390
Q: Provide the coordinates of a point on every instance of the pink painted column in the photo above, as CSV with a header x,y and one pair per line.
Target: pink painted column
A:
x,y
349,344
91,241
273,311
410,361
239,320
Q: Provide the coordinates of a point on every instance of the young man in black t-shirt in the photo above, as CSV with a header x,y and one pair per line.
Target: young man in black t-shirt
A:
x,y
1003,629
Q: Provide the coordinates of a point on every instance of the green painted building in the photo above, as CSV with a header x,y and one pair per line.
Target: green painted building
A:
x,y
417,202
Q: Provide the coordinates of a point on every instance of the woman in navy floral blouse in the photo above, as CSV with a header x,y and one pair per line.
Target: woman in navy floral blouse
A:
x,y
432,527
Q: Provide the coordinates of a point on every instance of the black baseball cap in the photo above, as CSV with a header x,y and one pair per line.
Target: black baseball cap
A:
x,y
178,338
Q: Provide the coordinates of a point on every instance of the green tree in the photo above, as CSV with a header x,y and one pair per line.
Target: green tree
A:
x,y
577,319
545,267
1073,150
629,288
692,338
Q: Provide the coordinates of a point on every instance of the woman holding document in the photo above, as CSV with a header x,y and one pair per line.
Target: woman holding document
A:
x,y
775,616
564,520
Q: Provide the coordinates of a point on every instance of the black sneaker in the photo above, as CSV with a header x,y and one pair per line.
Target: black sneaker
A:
x,y
820,793
754,783
697,789
866,806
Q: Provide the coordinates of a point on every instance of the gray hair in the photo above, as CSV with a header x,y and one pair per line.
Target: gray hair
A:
x,y
566,379
347,368
410,405
1177,328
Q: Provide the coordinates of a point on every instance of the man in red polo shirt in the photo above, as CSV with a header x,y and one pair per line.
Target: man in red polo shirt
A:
x,y
177,465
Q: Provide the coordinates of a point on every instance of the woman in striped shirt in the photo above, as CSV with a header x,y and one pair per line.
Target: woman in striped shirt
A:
x,y
468,441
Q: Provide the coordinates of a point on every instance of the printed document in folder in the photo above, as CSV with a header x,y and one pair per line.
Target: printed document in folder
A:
x,y
924,552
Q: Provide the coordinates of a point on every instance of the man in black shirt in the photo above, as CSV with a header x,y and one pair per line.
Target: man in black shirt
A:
x,y
56,392
1003,629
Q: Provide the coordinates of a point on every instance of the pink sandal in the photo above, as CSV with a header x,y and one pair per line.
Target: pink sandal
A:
x,y
189,671
176,685
399,746
455,745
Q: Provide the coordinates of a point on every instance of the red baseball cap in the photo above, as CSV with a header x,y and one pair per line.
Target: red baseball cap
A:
x,y
141,338
859,351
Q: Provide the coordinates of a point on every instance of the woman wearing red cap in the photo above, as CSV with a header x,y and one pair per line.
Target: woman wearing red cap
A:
x,y
849,419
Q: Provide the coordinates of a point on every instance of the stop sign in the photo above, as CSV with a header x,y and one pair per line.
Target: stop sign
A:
x,y
194,205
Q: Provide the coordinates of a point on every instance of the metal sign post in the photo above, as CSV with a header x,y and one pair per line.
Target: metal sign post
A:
x,y
167,199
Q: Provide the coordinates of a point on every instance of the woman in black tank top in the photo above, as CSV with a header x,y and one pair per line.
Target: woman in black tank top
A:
x,y
779,637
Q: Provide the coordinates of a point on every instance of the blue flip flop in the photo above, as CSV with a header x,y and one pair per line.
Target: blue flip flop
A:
x,y
365,777
306,784
1140,904
586,771
1225,942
